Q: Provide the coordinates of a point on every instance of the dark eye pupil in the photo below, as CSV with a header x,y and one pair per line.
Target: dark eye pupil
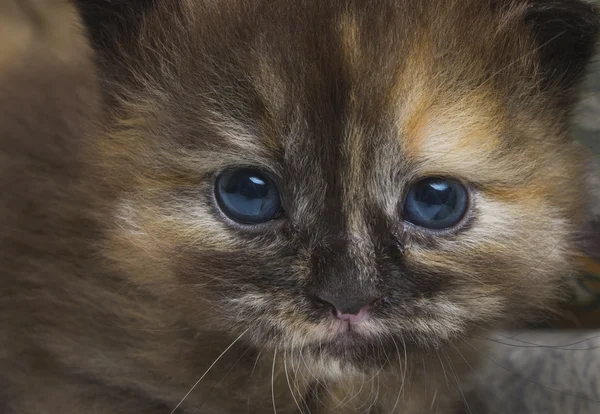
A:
x,y
247,195
436,200
436,203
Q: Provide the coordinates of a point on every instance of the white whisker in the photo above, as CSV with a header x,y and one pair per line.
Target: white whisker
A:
x,y
403,377
273,381
455,375
287,377
206,372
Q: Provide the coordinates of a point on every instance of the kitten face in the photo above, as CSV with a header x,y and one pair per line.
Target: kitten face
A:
x,y
345,109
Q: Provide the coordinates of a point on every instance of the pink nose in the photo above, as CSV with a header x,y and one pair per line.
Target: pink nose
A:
x,y
352,318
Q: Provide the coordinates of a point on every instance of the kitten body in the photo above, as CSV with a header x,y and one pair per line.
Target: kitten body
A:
x,y
126,289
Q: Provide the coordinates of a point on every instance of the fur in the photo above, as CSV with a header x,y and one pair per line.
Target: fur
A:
x,y
126,290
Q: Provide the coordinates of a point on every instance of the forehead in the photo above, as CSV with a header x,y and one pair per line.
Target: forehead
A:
x,y
322,76
349,101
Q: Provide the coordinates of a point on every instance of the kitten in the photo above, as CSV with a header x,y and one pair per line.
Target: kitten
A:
x,y
289,206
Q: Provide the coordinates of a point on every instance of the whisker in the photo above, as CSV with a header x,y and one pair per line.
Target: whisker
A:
x,y
303,379
273,381
428,378
362,384
311,373
402,382
287,377
374,399
234,365
209,368
225,376
433,400
150,330
443,368
405,360
526,344
455,374
477,373
256,363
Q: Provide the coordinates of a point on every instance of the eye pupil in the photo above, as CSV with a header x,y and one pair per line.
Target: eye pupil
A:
x,y
247,195
436,203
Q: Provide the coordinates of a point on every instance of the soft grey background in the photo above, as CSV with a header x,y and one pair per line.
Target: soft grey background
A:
x,y
544,372
588,114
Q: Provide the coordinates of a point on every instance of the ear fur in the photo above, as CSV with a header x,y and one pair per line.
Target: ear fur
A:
x,y
566,33
111,22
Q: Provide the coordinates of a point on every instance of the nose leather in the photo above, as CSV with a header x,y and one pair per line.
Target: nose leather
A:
x,y
348,317
346,305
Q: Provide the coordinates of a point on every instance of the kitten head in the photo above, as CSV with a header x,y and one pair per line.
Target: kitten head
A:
x,y
346,178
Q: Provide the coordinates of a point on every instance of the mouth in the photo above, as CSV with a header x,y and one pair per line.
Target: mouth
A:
x,y
355,350
355,343
361,342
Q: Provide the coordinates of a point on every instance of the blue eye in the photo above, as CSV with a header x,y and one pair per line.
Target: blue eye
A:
x,y
436,203
247,196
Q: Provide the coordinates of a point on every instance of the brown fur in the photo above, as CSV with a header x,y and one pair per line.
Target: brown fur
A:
x,y
123,283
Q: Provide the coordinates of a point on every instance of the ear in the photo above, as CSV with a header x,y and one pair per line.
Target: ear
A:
x,y
566,32
112,22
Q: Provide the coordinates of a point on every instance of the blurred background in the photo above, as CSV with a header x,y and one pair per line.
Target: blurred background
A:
x,y
588,116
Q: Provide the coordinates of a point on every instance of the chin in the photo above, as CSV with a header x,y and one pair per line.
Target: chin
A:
x,y
342,348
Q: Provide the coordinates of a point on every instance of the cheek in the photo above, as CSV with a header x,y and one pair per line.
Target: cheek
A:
x,y
192,261
150,239
531,234
513,254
